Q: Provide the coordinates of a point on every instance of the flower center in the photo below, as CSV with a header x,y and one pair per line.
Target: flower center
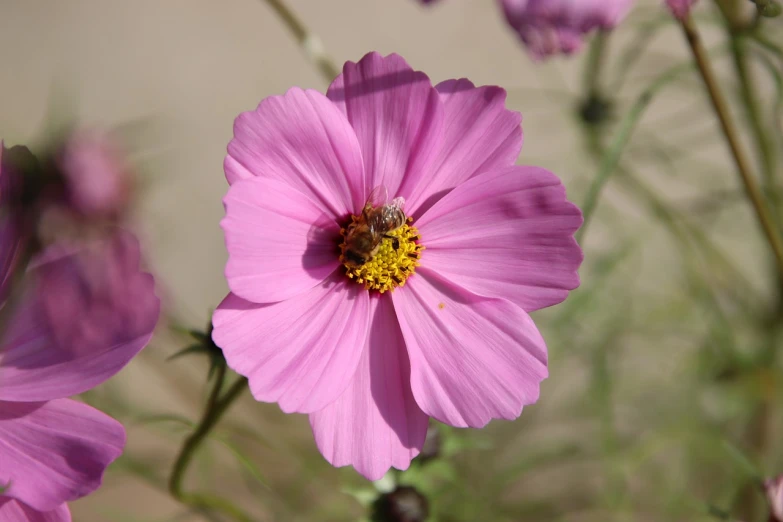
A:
x,y
396,258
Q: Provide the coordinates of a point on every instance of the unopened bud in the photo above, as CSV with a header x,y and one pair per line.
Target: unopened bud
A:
x,y
404,504
771,10
767,8
595,110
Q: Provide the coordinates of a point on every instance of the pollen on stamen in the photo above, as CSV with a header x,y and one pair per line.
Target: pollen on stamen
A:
x,y
394,262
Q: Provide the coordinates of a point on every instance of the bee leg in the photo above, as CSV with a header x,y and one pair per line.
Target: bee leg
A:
x,y
395,242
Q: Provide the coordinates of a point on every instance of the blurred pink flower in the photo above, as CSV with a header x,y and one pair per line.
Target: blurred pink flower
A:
x,y
550,27
12,229
85,310
14,511
455,342
680,8
97,178
774,490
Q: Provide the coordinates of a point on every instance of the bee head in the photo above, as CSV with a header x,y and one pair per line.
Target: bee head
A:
x,y
354,258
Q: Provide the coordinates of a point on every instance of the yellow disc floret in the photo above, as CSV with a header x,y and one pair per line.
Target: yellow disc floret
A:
x,y
396,259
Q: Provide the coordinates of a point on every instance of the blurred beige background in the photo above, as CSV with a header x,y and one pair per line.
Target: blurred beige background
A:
x,y
173,74
177,72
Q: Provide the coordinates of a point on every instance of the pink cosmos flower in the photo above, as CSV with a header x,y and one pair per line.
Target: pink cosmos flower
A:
x,y
774,491
95,173
12,222
550,27
84,312
680,8
14,511
452,338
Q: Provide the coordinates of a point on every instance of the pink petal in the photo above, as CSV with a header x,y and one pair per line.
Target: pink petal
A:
x,y
301,139
53,452
397,116
302,352
773,487
506,233
96,173
479,134
472,358
87,311
280,242
10,250
376,423
14,511
14,229
550,27
680,8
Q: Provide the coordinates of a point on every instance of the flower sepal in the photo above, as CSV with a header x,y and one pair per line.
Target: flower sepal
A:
x,y
203,345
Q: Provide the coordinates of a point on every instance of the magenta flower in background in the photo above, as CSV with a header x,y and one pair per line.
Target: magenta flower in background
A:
x,y
14,511
85,310
97,178
12,222
774,490
680,8
549,27
453,340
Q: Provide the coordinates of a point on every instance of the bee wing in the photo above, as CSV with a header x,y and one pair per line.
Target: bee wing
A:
x,y
391,216
397,203
379,196
375,222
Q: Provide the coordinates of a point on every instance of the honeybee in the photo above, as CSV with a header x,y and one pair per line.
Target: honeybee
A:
x,y
378,220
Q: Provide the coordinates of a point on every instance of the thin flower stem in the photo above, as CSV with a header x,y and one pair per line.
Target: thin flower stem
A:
x,y
594,64
309,41
216,407
767,43
611,157
730,132
764,140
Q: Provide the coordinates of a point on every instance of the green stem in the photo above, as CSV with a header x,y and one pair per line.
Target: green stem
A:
x,y
767,43
594,64
611,157
216,407
764,140
732,138
306,39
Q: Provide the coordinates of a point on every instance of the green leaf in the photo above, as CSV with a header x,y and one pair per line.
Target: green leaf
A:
x,y
365,496
163,417
245,461
193,348
136,467
750,469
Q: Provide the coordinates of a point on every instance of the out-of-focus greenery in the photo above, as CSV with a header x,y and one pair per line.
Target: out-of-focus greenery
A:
x,y
664,399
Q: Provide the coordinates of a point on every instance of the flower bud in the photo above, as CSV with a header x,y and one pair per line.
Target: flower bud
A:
x,y
549,27
768,8
595,110
404,504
